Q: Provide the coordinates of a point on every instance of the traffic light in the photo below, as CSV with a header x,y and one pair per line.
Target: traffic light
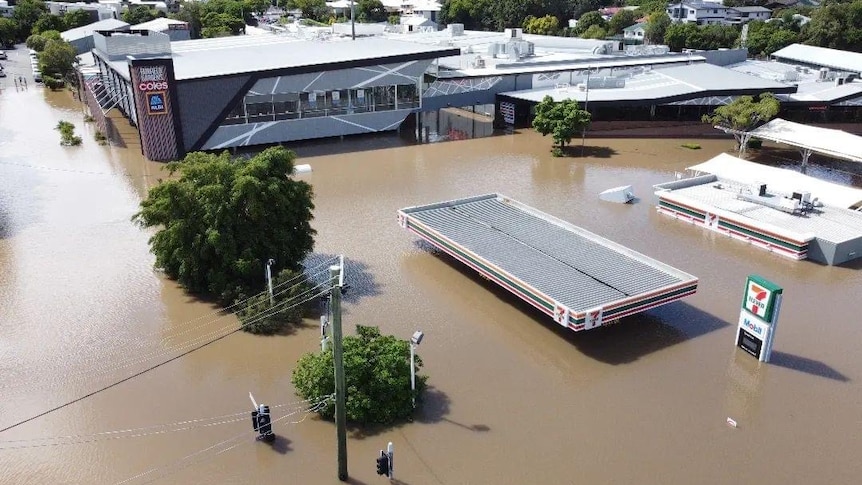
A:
x,y
262,422
383,464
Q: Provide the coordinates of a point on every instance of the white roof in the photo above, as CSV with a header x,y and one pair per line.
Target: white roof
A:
x,y
828,141
821,56
87,30
779,179
158,24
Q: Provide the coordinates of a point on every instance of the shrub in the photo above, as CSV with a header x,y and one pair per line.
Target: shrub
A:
x,y
691,146
67,134
89,119
377,378
99,137
290,289
755,143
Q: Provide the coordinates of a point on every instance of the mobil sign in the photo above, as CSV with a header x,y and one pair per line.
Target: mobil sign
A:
x,y
152,78
760,296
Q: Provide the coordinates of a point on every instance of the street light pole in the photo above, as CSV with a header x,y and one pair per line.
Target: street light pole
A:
x,y
352,21
587,109
269,263
415,340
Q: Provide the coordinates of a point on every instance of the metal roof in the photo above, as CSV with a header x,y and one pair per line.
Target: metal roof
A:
x,y
833,224
730,167
568,264
87,30
665,83
821,56
161,23
244,54
750,9
809,87
827,141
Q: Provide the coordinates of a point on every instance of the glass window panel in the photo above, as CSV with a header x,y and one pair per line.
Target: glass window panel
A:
x,y
408,96
384,98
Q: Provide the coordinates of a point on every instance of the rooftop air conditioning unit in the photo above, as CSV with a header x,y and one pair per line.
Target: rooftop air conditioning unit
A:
x,y
479,63
456,29
824,73
514,33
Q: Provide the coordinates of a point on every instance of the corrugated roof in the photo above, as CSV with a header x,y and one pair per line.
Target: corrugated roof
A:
x,y
87,30
235,55
821,56
570,265
665,83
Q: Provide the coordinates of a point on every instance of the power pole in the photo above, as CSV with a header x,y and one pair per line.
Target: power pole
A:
x,y
352,22
338,357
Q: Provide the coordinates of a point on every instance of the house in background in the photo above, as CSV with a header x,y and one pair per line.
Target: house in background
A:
x,y
635,34
741,15
700,13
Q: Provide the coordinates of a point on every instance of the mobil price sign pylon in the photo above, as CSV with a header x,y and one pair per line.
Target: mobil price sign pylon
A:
x,y
758,318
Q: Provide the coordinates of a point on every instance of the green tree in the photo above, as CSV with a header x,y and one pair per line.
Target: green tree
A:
x,y
138,14
676,35
547,25
589,19
621,20
765,38
561,120
222,219
376,373
837,26
8,32
76,18
36,42
48,22
57,59
594,32
51,35
313,9
191,13
511,13
656,26
290,289
25,15
371,11
744,114
474,14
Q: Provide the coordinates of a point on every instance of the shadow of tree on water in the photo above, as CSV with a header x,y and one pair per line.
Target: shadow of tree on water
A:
x,y
359,282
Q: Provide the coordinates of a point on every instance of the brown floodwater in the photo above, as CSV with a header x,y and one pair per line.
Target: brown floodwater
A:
x,y
514,399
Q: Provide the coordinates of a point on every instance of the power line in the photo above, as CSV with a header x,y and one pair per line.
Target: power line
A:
x,y
174,466
260,316
116,383
88,374
155,429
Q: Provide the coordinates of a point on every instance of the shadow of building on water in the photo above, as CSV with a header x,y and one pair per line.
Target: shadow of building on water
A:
x,y
806,365
633,337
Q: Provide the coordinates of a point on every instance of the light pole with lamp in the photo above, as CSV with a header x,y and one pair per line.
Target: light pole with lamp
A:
x,y
415,340
269,264
587,109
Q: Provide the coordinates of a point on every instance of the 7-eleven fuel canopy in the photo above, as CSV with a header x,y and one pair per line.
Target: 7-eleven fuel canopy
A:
x,y
579,278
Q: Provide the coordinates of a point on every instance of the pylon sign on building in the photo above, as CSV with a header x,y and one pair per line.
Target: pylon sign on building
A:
x,y
758,317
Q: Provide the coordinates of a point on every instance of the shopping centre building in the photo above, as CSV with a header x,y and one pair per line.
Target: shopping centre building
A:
x,y
220,93
214,94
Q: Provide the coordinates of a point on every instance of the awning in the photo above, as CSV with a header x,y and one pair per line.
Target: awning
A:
x,y
826,141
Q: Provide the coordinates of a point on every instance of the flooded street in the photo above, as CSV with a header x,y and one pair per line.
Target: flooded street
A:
x,y
514,399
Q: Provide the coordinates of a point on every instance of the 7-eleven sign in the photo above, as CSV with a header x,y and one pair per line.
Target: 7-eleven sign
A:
x,y
759,298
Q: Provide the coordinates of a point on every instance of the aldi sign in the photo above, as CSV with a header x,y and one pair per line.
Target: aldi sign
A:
x,y
156,103
759,298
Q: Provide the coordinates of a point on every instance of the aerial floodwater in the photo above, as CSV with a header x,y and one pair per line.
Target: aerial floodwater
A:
x,y
514,398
